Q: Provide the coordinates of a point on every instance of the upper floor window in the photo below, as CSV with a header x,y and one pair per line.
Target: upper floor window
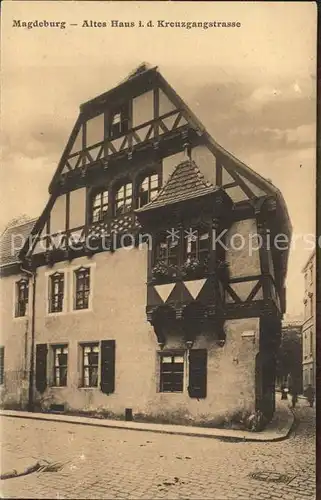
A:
x,y
60,354
82,287
124,199
99,206
311,305
167,249
56,297
197,245
1,365
148,189
22,296
119,119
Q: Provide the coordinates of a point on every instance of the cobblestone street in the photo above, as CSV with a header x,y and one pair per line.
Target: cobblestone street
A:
x,y
116,463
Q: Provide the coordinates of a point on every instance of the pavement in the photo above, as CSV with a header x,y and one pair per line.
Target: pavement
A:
x,y
92,461
278,429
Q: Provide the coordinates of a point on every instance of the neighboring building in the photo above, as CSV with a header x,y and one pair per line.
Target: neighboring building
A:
x,y
176,326
15,315
289,356
309,328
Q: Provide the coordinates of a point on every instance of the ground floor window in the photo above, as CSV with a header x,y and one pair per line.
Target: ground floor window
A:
x,y
90,362
1,365
60,354
171,372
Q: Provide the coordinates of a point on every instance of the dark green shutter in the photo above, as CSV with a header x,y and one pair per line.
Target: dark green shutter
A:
x,y
41,367
107,378
197,373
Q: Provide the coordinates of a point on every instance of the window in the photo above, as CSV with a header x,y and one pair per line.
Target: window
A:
x,y
90,362
56,292
99,206
60,354
197,245
148,189
82,286
123,199
22,294
167,249
311,305
310,343
1,365
119,121
171,372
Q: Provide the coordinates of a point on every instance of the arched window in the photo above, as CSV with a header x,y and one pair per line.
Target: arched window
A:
x,y
99,207
124,198
148,189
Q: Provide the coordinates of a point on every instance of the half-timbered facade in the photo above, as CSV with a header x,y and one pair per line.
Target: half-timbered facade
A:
x,y
155,283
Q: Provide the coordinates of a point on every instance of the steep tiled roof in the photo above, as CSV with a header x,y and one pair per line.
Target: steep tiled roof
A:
x,y
12,240
184,183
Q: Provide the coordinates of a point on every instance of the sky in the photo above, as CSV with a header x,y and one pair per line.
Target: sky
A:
x,y
253,88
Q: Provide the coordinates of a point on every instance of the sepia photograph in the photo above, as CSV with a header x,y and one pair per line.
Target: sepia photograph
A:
x,y
158,250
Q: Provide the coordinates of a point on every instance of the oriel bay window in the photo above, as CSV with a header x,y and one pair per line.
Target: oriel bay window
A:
x,y
148,189
90,363
82,288
123,199
56,292
99,206
22,297
171,372
60,356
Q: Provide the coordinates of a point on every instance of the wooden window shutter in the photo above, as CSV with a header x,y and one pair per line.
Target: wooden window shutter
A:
x,y
197,373
107,379
41,367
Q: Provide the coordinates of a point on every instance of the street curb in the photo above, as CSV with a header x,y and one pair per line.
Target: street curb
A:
x,y
231,435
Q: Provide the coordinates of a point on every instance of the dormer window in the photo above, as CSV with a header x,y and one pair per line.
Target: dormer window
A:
x,y
124,199
148,189
119,121
99,206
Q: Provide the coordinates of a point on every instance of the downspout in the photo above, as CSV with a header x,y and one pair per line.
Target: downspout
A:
x,y
32,347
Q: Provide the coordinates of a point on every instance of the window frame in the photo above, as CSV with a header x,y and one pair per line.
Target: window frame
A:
x,y
85,291
170,258
198,253
60,294
90,345
120,127
103,206
21,298
147,177
182,372
54,349
120,210
2,350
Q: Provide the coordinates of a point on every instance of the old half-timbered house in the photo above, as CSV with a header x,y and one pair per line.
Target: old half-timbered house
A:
x,y
155,286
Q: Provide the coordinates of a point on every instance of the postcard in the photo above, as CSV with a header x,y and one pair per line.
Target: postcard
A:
x,y
158,250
